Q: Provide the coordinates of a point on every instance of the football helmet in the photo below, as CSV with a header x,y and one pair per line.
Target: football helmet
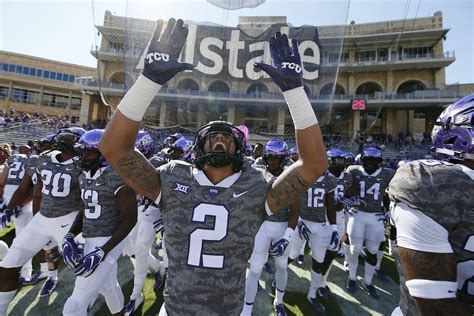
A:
x,y
66,139
218,158
90,142
337,161
453,131
371,159
294,154
145,143
179,148
276,148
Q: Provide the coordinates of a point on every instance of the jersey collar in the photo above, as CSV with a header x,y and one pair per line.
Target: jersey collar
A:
x,y
202,179
66,162
376,173
96,175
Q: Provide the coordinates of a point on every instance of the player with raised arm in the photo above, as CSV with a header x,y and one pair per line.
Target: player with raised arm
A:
x,y
108,215
58,190
211,210
432,208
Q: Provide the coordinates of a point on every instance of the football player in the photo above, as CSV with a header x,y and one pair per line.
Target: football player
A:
x,y
11,176
337,163
273,236
350,159
149,221
367,221
318,226
48,256
58,196
108,215
432,208
212,209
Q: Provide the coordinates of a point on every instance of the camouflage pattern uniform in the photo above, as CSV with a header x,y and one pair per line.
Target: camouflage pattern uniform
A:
x,y
445,193
209,237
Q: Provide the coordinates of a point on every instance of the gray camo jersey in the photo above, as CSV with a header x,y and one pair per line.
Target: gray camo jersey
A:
x,y
101,210
16,165
60,194
313,202
209,238
445,193
344,181
370,188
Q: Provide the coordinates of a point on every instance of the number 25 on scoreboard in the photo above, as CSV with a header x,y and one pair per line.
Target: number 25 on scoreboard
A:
x,y
358,104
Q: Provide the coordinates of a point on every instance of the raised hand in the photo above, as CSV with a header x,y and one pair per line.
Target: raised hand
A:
x,y
287,71
161,61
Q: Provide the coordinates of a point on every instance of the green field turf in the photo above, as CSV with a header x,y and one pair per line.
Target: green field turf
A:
x,y
27,301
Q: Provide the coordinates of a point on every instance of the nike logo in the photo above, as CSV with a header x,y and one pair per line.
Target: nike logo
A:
x,y
64,225
238,195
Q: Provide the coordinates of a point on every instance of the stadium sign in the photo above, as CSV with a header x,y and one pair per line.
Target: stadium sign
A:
x,y
231,52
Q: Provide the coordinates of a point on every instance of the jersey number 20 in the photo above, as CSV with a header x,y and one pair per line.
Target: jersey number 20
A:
x,y
221,220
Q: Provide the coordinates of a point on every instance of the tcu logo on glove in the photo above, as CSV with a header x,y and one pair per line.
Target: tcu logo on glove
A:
x,y
151,57
294,66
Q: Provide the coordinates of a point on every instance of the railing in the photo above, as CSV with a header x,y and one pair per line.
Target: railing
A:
x,y
425,94
395,58
135,52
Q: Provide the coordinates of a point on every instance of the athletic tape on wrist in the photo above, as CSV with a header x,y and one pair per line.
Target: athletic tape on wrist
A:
x,y
334,227
300,108
137,100
432,289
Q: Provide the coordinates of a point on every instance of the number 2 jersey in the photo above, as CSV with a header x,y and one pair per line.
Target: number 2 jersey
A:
x,y
370,188
445,193
60,194
210,231
101,210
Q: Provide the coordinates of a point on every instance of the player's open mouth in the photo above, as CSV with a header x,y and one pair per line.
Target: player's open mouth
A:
x,y
219,146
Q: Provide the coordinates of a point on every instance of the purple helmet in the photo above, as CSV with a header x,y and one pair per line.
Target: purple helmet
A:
x,y
90,141
453,133
371,152
179,148
145,143
335,153
78,130
276,147
349,155
48,139
248,149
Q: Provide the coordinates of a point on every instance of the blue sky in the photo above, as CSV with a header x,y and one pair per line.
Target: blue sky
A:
x,y
64,30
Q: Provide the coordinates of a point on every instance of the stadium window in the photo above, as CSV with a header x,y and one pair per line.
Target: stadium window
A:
x,y
26,70
39,72
52,75
12,68
5,67
46,74
71,78
19,69
65,77
59,76
32,71
3,92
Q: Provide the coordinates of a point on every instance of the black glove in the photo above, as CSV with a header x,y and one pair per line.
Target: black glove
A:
x,y
286,71
161,61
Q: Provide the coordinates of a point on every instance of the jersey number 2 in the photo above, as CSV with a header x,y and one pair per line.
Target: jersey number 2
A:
x,y
199,236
